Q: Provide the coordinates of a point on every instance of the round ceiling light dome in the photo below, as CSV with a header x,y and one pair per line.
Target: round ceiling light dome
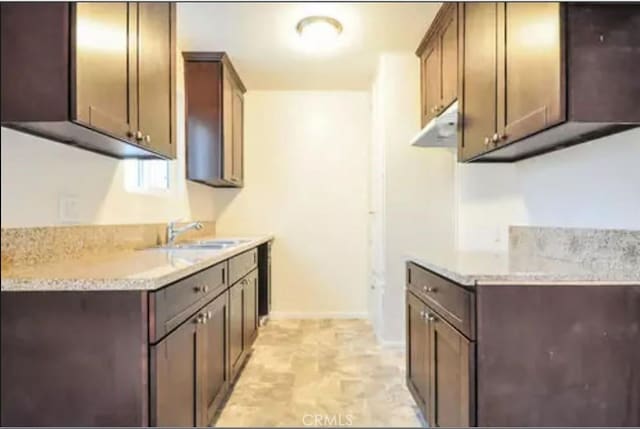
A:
x,y
319,31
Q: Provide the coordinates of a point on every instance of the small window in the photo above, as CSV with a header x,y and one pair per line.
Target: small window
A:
x,y
146,175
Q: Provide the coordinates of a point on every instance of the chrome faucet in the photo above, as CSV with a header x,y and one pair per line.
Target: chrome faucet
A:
x,y
173,231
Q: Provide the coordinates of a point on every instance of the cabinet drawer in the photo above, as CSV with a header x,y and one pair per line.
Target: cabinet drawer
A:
x,y
453,302
241,265
170,306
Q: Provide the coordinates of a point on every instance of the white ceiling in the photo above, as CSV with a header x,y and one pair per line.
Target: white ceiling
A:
x,y
266,50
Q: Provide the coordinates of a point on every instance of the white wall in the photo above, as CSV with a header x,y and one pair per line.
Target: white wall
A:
x,y
37,172
306,182
418,191
591,185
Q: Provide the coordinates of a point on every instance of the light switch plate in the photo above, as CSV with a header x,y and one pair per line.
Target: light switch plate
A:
x,y
69,209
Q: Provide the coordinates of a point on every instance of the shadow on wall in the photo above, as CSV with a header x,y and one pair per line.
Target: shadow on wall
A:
x,y
591,185
37,173
223,197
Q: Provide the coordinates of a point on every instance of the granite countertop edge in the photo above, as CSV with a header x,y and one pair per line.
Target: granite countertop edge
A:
x,y
45,284
525,278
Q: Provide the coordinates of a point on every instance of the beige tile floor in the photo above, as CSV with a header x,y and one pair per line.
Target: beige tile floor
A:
x,y
320,373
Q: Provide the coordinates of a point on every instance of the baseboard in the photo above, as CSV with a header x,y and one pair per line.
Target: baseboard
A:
x,y
387,344
284,315
391,344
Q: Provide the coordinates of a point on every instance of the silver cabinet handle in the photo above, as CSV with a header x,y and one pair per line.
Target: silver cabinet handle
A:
x,y
147,138
139,135
431,317
209,315
203,288
201,319
487,140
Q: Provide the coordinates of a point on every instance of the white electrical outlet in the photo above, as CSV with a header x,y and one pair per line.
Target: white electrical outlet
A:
x,y
69,209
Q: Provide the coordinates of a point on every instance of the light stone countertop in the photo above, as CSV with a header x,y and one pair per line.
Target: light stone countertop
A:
x,y
484,268
146,269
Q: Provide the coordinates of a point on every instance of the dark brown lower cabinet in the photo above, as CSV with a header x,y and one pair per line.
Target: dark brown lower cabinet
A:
x,y
236,331
243,320
418,359
133,358
174,362
536,355
451,361
198,347
214,359
439,367
250,308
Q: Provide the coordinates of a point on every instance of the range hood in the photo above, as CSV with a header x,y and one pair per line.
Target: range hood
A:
x,y
441,131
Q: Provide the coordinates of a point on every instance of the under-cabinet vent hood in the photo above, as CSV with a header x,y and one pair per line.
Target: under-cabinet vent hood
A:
x,y
440,131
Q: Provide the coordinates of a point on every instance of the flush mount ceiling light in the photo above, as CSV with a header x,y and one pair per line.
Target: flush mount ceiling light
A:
x,y
319,31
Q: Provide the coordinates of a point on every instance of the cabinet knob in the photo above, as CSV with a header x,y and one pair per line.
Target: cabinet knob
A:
x,y
209,315
147,138
430,289
139,135
431,318
201,319
203,288
423,314
487,140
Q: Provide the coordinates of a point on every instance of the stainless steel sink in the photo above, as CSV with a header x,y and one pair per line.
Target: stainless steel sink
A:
x,y
193,246
225,242
205,244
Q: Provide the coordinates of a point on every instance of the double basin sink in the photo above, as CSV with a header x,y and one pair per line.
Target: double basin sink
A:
x,y
216,244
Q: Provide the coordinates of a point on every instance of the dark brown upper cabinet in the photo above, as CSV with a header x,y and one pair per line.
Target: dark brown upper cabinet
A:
x,y
214,119
438,54
100,76
537,77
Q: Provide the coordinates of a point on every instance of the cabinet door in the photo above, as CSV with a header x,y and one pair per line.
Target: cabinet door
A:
x,y
449,55
450,376
531,73
215,369
431,80
156,60
238,137
227,124
250,308
236,326
418,364
173,378
478,77
104,60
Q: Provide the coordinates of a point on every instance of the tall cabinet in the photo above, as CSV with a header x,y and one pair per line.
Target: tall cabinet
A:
x,y
214,119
